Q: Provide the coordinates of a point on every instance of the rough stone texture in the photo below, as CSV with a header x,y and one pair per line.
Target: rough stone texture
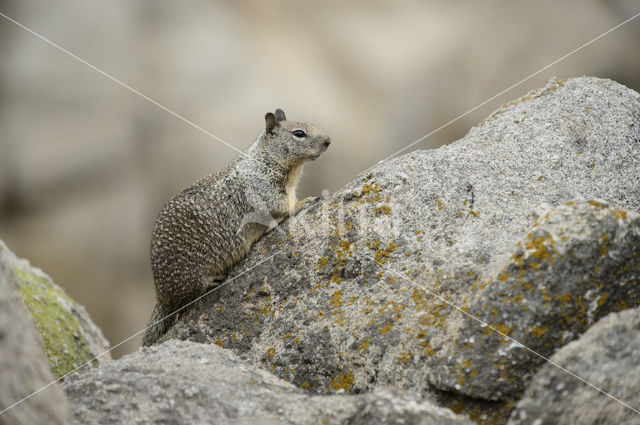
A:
x,y
182,382
70,337
23,365
607,356
578,263
347,304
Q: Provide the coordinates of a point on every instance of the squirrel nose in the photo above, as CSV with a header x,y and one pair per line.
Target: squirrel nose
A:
x,y
327,141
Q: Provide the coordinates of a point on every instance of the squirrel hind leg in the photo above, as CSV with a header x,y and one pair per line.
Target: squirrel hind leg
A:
x,y
213,281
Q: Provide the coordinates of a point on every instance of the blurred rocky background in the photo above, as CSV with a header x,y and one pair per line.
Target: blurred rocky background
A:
x,y
86,164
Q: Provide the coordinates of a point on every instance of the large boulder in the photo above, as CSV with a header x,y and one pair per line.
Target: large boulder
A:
x,y
181,382
23,365
579,262
357,292
70,337
607,356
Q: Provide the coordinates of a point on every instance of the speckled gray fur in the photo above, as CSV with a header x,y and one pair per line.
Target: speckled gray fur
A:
x,y
207,228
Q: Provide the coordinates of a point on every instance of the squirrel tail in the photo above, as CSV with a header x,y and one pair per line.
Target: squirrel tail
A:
x,y
158,325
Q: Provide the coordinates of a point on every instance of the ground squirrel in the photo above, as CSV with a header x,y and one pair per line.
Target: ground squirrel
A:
x,y
210,226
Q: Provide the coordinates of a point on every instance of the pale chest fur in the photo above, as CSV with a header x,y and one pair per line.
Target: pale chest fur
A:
x,y
290,188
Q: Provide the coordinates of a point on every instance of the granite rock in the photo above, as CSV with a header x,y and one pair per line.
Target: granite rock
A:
x,y
357,292
578,263
339,297
606,356
69,335
23,365
182,382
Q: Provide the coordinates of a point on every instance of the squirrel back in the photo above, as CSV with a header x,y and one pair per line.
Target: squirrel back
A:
x,y
209,227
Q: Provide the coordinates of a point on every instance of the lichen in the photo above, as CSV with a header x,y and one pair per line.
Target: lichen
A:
x,y
51,310
344,381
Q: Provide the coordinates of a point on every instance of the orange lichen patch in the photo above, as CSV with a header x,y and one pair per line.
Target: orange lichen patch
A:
x,y
439,204
517,299
474,213
527,286
322,262
219,342
368,188
538,247
418,297
385,329
605,244
565,298
517,259
336,299
305,385
467,363
502,329
603,299
506,377
503,277
344,381
539,331
580,304
432,315
266,309
405,357
335,277
364,346
271,352
457,406
383,209
382,255
621,305
480,414
429,350
345,247
619,214
597,204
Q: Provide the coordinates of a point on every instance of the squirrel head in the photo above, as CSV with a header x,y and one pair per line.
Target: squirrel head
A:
x,y
292,143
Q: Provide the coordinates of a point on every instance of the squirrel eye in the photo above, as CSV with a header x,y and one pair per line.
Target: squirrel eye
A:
x,y
299,133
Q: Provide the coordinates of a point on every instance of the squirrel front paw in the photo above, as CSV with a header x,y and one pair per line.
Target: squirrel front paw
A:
x,y
305,203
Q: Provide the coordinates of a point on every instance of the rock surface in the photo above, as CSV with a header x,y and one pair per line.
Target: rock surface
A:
x,y
23,365
607,356
345,302
70,337
578,263
181,382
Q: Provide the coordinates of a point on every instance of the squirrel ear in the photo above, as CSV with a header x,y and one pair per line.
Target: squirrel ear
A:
x,y
271,122
280,115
